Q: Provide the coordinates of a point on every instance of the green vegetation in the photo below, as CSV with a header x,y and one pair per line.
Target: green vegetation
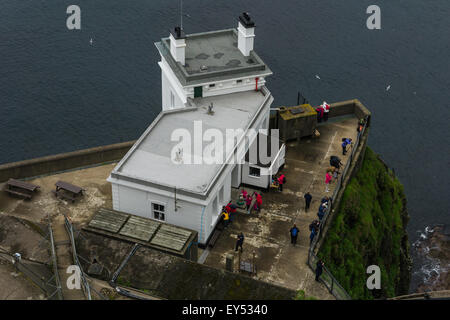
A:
x,y
369,228
301,295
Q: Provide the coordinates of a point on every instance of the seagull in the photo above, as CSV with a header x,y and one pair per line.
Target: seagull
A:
x,y
388,87
91,41
317,77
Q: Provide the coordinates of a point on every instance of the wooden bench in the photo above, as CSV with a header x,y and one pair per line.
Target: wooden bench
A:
x,y
20,188
67,191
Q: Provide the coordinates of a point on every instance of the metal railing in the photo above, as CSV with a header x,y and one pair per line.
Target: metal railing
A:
x,y
54,263
84,282
327,278
51,288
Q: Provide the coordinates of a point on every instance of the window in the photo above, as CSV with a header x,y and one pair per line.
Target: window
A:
x,y
172,100
255,172
158,211
216,205
239,81
212,85
221,195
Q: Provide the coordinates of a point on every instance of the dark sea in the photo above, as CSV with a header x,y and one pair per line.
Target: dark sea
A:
x,y
59,93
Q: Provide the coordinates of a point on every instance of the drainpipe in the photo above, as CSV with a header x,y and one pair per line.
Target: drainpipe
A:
x,y
256,79
201,224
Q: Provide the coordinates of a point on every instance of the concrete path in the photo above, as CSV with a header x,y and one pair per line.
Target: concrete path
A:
x,y
267,233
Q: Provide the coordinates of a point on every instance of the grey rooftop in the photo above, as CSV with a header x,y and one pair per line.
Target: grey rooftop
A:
x,y
218,52
150,160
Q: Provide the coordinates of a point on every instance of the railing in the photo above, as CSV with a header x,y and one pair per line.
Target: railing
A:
x,y
84,282
55,264
52,291
327,278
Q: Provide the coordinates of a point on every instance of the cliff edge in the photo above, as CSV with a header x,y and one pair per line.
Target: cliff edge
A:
x,y
370,229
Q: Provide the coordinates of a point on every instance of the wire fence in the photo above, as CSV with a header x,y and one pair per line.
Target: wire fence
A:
x,y
327,278
84,282
38,272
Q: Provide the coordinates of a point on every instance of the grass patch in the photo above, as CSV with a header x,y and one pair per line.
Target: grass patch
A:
x,y
370,228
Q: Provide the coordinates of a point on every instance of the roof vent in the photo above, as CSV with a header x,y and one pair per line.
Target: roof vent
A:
x,y
203,68
210,109
179,155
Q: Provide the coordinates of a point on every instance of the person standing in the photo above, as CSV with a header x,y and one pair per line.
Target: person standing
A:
x,y
226,217
248,202
326,109
345,142
308,198
319,269
294,233
312,235
258,202
281,181
321,212
325,199
328,178
240,241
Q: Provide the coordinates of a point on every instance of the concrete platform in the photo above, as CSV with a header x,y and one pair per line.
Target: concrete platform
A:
x,y
267,233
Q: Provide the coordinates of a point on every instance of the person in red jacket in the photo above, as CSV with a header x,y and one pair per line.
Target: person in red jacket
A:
x,y
281,181
328,178
248,201
258,201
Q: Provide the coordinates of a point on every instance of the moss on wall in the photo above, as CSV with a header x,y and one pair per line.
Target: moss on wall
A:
x,y
370,229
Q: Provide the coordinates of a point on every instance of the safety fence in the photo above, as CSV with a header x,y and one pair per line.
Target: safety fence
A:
x,y
47,282
327,278
84,282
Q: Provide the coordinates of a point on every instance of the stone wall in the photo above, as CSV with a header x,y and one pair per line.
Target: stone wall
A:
x,y
64,161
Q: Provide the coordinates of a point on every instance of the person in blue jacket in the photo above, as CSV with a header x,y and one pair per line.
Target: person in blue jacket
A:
x,y
345,142
321,212
312,235
294,233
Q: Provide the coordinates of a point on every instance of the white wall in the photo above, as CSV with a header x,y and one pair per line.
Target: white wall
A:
x,y
226,87
170,84
191,215
262,181
167,91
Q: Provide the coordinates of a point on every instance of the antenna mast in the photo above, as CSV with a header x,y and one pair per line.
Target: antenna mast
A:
x,y
181,14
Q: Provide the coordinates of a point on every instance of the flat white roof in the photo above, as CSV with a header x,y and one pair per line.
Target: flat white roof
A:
x,y
150,158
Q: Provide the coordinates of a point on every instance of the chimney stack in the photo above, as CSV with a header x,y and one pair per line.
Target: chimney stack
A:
x,y
178,44
246,34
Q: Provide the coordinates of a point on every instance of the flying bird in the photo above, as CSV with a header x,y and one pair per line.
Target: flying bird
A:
x,y
91,41
388,87
317,77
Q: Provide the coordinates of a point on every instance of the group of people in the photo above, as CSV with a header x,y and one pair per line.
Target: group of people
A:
x,y
228,213
248,198
322,112
332,171
279,181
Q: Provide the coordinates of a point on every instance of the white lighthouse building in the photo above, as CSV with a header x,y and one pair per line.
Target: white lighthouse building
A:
x,y
211,82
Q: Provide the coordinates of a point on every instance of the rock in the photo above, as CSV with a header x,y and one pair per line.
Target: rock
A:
x,y
95,269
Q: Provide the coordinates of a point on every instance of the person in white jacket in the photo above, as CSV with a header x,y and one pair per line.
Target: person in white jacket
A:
x,y
326,109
